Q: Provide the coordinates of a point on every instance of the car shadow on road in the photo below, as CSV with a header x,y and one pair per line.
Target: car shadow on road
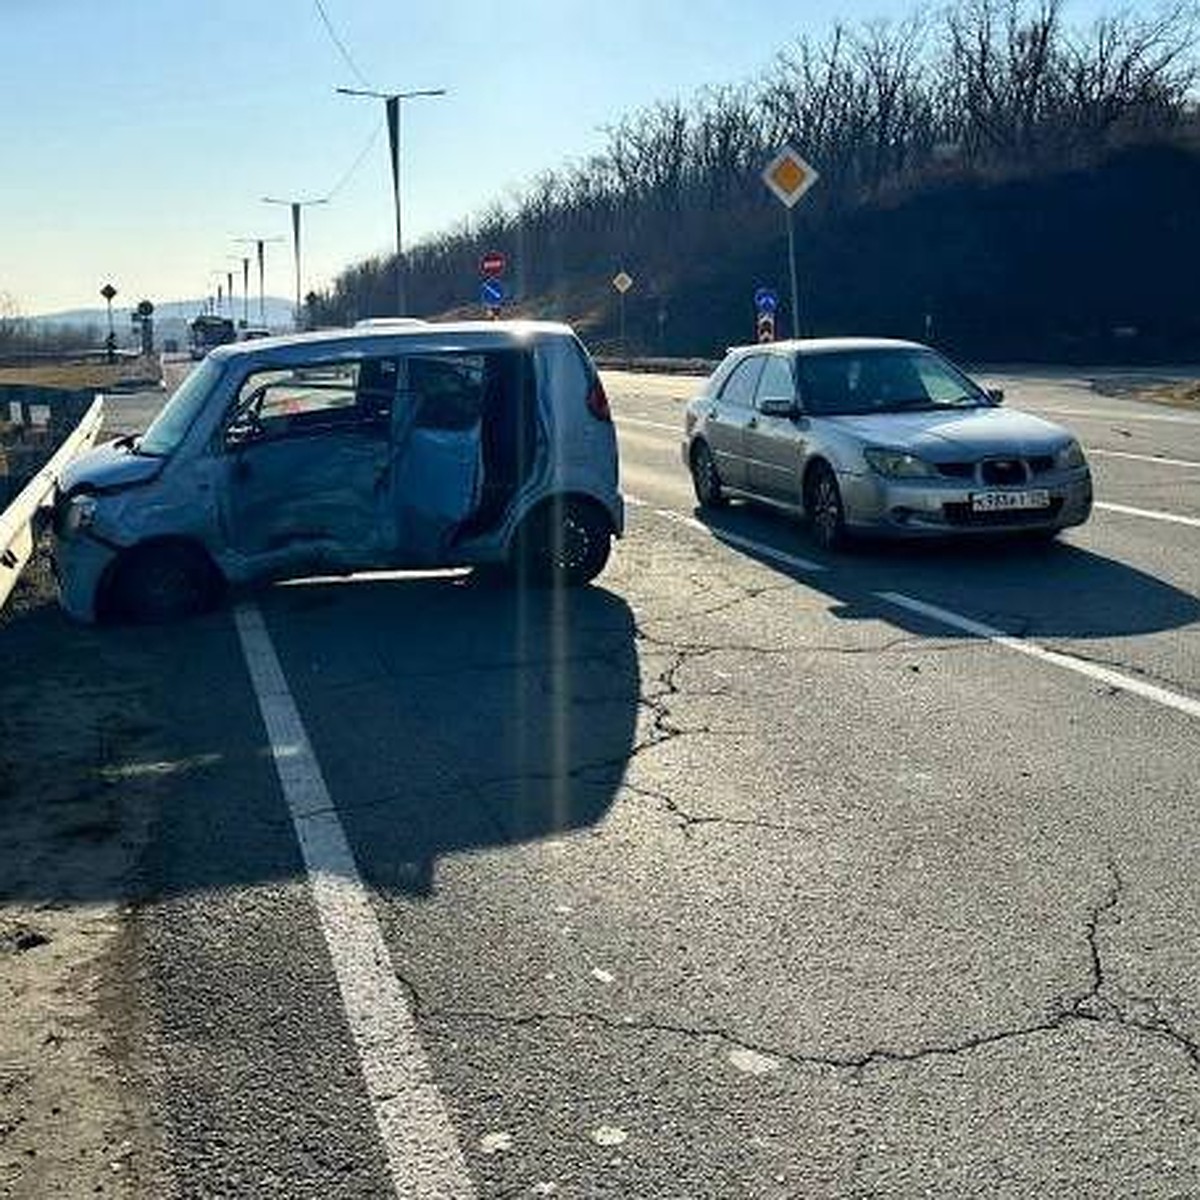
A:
x,y
1054,589
446,717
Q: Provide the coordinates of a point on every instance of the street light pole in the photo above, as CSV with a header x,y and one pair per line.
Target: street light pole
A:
x,y
296,206
262,301
392,107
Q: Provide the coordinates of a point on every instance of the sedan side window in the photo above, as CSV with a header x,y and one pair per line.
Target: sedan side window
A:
x,y
739,387
776,381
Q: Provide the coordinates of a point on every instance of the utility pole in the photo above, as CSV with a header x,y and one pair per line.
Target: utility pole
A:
x,y
296,206
392,107
260,243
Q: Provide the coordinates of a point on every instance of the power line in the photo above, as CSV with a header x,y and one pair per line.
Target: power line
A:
x,y
358,162
337,41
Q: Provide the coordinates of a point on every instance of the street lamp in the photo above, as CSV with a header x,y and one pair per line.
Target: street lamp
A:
x,y
262,302
296,206
392,104
245,261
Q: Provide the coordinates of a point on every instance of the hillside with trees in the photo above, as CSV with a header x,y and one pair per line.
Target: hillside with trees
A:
x,y
992,178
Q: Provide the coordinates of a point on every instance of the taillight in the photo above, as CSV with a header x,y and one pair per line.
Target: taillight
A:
x,y
597,401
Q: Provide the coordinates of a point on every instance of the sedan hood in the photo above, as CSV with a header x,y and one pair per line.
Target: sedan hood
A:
x,y
109,467
950,435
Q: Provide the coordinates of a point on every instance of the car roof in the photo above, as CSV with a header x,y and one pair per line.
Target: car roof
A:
x,y
431,336
833,345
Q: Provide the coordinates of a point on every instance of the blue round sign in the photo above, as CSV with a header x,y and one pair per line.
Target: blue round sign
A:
x,y
766,300
491,292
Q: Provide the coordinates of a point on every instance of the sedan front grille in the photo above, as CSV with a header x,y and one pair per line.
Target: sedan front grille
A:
x,y
956,470
1003,472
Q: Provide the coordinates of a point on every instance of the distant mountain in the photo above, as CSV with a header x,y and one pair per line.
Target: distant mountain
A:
x,y
278,313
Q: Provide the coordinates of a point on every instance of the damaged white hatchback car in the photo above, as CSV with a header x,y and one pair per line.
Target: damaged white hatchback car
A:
x,y
486,444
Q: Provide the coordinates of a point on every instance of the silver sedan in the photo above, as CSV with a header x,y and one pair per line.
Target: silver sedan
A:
x,y
879,437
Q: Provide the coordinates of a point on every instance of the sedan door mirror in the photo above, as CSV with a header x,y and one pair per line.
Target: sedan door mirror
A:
x,y
778,406
996,395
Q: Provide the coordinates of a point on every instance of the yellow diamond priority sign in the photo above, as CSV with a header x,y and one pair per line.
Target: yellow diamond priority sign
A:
x,y
789,176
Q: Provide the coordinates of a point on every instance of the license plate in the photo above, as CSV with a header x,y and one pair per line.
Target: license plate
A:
x,y
1007,501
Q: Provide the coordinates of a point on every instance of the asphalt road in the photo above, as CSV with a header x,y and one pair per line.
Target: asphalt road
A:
x,y
749,872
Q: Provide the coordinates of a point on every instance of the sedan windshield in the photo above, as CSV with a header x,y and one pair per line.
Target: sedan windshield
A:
x,y
884,380
170,427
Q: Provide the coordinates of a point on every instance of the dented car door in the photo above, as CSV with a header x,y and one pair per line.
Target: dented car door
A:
x,y
306,466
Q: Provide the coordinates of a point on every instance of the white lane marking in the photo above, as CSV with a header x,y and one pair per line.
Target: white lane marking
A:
x,y
1152,513
1091,414
1149,458
1106,675
423,1154
745,543
675,429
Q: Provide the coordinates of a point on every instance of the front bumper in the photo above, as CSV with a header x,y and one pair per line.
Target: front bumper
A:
x,y
80,564
942,508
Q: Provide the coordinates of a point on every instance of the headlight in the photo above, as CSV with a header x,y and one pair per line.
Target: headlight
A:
x,y
81,512
896,464
1070,456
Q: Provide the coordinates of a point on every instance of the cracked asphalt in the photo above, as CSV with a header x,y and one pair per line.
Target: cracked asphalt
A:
x,y
718,879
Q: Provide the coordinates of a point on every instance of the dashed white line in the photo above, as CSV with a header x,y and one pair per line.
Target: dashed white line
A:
x,y
1092,414
423,1154
1106,675
675,429
733,539
1094,452
1152,514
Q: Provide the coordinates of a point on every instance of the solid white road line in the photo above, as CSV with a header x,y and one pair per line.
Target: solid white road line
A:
x,y
423,1154
734,539
1092,451
1106,675
1152,513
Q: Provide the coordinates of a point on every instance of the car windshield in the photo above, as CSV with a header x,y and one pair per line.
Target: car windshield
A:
x,y
884,380
169,428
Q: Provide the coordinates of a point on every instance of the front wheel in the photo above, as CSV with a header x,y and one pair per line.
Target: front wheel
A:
x,y
823,502
163,583
565,542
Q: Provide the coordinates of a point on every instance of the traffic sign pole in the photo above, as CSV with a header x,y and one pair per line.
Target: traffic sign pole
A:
x,y
791,220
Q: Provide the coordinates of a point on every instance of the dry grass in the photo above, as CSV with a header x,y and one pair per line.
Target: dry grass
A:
x,y
1177,395
82,375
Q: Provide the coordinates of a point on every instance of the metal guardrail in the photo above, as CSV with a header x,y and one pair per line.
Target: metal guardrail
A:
x,y
16,521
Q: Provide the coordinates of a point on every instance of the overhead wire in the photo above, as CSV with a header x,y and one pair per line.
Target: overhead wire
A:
x,y
358,162
341,46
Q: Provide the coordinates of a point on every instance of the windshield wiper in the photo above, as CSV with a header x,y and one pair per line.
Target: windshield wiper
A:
x,y
911,405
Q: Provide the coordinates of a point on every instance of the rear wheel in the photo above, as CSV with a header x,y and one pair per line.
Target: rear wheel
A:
x,y
705,480
565,542
823,503
163,583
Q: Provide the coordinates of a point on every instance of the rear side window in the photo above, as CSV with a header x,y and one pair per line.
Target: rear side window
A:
x,y
739,387
447,390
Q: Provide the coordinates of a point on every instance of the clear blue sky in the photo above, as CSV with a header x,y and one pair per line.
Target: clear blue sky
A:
x,y
139,135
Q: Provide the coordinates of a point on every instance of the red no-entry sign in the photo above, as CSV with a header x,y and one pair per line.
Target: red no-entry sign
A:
x,y
493,264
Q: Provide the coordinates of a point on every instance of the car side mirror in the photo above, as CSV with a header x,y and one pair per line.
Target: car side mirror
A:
x,y
996,395
778,406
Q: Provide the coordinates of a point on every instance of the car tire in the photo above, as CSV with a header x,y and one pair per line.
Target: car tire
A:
x,y
168,582
564,543
705,480
823,504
